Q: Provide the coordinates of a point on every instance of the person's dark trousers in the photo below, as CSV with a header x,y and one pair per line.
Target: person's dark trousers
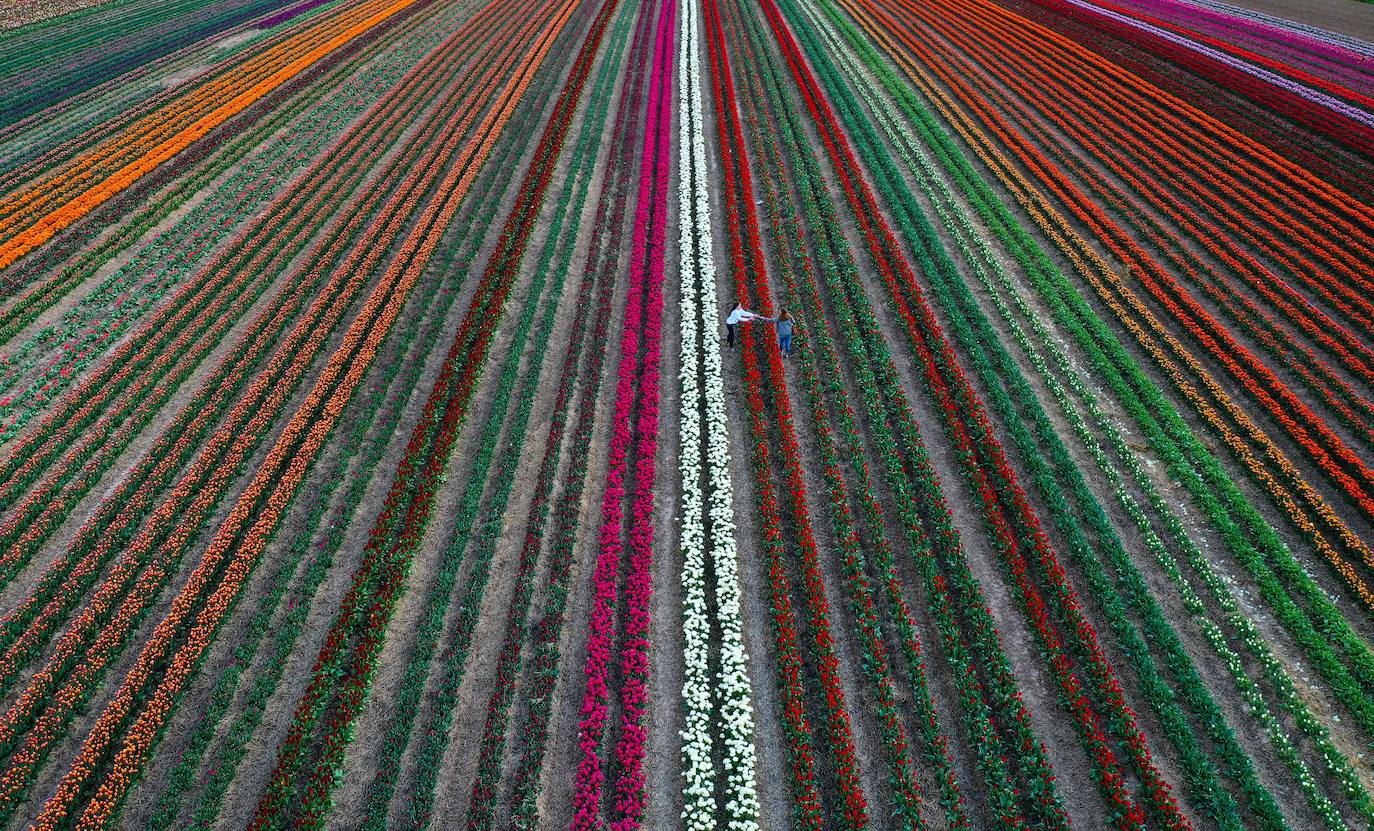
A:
x,y
785,343
730,336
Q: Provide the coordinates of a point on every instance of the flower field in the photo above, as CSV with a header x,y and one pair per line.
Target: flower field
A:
x,y
373,452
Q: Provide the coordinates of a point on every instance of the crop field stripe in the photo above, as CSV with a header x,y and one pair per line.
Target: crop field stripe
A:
x,y
76,123
73,176
453,662
786,231
1332,455
1234,756
71,258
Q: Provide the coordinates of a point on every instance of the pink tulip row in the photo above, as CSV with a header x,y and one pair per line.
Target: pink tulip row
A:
x,y
639,365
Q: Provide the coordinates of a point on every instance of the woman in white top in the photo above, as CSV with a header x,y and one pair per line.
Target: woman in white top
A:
x,y
737,315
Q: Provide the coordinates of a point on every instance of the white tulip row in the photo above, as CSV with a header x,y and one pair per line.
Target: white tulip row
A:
x,y
707,445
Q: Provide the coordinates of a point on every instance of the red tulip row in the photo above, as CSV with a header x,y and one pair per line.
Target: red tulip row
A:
x,y
117,519
634,438
1339,655
976,708
83,436
746,263
267,495
1011,521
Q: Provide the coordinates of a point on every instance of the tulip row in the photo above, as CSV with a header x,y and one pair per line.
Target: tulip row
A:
x,y
630,472
974,708
864,612
1187,459
1322,53
367,441
1339,168
117,520
32,145
716,692
1003,379
28,145
1230,253
1347,674
1293,305
192,489
268,236
34,215
269,493
1340,49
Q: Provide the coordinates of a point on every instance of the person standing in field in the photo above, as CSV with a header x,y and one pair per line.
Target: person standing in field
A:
x,y
785,323
737,315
